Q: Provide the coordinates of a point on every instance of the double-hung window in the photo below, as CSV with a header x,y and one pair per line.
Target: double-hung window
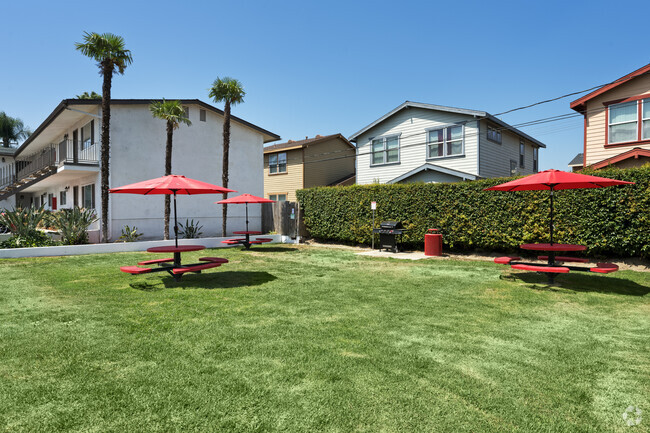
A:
x,y
88,196
278,163
385,150
623,124
445,142
494,134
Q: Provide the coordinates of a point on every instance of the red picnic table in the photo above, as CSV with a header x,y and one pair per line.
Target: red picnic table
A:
x,y
554,264
173,265
246,242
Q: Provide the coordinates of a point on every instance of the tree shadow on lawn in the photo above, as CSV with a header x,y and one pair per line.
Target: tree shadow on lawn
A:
x,y
581,282
209,281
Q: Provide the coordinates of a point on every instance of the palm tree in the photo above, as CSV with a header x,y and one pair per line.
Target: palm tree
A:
x,y
174,114
231,92
91,95
12,129
111,56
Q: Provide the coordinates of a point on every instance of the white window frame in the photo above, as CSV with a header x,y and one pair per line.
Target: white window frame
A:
x,y
445,142
92,196
498,139
610,124
277,163
522,153
645,102
384,151
63,198
276,196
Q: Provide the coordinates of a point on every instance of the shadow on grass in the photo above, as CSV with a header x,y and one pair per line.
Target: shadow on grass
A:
x,y
582,282
220,280
271,249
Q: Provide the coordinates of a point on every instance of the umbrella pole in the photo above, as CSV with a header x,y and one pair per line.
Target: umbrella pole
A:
x,y
175,222
246,216
551,215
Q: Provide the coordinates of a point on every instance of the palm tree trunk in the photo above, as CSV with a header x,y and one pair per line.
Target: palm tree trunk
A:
x,y
107,70
5,142
168,171
226,152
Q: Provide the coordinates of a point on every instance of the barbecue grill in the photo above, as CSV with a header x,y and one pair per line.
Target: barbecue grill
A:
x,y
390,235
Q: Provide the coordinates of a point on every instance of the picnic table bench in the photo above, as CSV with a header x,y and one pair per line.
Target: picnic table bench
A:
x,y
246,241
555,264
173,266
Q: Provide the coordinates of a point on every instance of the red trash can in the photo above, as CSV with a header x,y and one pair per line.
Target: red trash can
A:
x,y
433,243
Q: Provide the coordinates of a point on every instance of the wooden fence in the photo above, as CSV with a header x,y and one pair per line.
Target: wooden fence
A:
x,y
283,218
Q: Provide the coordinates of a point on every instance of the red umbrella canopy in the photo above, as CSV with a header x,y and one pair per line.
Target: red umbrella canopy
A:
x,y
556,180
171,184
245,198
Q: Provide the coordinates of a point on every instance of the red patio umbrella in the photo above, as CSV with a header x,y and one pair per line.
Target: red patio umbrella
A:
x,y
245,198
553,180
172,184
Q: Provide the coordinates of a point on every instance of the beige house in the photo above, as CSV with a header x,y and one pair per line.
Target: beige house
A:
x,y
319,161
617,122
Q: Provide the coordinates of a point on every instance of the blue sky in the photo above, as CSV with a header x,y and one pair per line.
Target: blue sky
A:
x,y
326,67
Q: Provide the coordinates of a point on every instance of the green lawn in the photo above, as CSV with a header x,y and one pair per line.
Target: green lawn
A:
x,y
305,339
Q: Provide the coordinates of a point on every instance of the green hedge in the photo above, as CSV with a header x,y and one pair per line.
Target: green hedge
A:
x,y
612,221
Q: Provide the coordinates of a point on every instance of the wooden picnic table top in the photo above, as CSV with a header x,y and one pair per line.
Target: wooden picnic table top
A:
x,y
553,247
174,249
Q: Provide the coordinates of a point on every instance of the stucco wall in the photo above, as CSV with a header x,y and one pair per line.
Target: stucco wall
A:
x,y
138,153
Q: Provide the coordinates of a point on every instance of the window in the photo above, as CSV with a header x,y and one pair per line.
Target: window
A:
x,y
535,158
494,134
43,199
513,167
445,142
187,111
75,196
202,115
385,150
522,150
49,200
88,196
645,118
278,197
87,133
278,163
62,198
623,122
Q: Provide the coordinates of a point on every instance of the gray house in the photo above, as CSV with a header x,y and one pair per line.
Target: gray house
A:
x,y
431,143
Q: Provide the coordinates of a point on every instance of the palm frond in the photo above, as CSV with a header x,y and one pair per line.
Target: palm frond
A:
x,y
106,49
170,111
227,89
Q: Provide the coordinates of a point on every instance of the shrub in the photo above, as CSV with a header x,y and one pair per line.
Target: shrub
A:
x,y
36,238
611,221
22,221
190,230
129,234
73,224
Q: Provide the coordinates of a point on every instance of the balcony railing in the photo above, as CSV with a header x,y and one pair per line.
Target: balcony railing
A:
x,y
7,175
36,162
77,152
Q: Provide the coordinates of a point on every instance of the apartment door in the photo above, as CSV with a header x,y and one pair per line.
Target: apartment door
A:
x,y
53,203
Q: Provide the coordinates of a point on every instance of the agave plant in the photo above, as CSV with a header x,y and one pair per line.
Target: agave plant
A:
x,y
22,221
129,234
190,230
73,225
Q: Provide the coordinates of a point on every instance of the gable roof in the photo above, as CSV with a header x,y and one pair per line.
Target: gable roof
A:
x,y
428,166
579,104
633,153
66,103
475,113
577,160
289,145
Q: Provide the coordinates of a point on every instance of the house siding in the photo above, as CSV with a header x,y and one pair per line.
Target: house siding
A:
x,y
285,183
412,125
597,120
495,158
328,161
